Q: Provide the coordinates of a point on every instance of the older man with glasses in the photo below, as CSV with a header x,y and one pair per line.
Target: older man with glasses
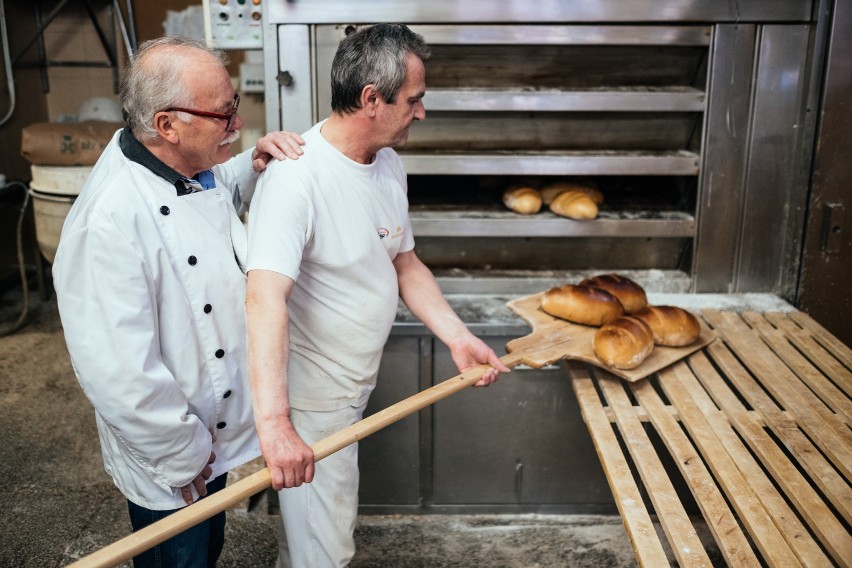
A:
x,y
150,282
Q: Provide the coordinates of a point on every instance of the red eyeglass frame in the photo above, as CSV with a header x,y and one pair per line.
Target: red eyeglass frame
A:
x,y
224,116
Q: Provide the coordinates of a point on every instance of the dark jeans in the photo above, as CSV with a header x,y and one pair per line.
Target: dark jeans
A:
x,y
196,547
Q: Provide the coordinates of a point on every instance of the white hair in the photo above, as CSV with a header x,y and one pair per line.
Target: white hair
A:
x,y
153,81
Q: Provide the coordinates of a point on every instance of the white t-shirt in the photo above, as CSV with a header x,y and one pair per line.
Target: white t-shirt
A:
x,y
334,226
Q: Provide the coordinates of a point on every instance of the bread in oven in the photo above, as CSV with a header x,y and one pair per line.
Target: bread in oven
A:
x,y
522,199
551,190
574,204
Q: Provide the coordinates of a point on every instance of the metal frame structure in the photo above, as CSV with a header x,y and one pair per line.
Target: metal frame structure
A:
x,y
127,28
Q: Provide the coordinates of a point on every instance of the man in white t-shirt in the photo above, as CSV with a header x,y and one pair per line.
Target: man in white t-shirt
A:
x,y
330,252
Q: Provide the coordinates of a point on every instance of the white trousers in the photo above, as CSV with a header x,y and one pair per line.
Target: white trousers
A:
x,y
318,518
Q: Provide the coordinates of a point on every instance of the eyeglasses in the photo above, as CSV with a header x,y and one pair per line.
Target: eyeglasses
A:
x,y
224,116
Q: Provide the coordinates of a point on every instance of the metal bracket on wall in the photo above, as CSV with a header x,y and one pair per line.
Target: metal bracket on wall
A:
x,y
127,29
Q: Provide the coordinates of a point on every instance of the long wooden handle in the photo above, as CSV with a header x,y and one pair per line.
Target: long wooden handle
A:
x,y
158,532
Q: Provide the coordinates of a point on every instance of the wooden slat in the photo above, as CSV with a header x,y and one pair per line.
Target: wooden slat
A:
x,y
818,355
779,342
835,346
798,489
720,520
739,472
822,426
778,379
729,535
637,522
672,516
782,425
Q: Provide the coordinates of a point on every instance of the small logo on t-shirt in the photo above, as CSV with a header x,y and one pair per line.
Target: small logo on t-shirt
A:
x,y
383,232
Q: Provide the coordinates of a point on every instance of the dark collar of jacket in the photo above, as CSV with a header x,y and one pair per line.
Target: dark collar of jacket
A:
x,y
137,152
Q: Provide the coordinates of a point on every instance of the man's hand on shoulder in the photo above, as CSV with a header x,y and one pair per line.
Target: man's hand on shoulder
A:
x,y
279,145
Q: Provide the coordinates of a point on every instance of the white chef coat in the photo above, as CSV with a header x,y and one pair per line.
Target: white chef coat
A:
x,y
151,293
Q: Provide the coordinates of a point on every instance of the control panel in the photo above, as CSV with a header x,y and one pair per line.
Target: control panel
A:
x,y
251,72
236,24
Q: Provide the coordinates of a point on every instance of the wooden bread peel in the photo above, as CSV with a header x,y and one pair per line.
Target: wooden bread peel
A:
x,y
580,338
550,341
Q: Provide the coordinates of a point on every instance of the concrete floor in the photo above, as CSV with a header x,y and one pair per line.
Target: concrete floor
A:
x,y
58,504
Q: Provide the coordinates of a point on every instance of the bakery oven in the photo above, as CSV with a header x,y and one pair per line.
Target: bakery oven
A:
x,y
693,119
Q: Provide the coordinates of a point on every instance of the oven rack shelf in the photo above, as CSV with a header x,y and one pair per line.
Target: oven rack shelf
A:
x,y
467,223
522,282
622,99
595,35
614,162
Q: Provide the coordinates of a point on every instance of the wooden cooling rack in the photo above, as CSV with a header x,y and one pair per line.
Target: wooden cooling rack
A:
x,y
758,426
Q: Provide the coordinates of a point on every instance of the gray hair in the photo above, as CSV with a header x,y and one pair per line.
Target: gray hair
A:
x,y
153,81
375,55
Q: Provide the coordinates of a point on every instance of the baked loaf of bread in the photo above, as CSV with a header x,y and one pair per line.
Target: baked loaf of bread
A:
x,y
574,204
581,304
671,326
629,293
551,190
522,199
624,342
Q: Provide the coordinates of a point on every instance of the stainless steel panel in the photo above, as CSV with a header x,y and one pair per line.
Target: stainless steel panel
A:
x,y
272,101
827,260
564,66
544,11
574,35
516,283
294,59
564,131
779,159
389,460
545,224
521,442
554,163
675,99
327,38
554,253
484,312
725,147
